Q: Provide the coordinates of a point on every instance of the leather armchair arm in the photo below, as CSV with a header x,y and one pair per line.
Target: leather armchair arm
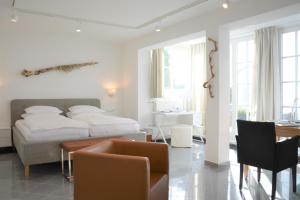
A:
x,y
94,174
287,153
158,154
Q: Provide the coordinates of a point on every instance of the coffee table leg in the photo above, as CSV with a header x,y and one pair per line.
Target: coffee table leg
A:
x,y
70,164
62,162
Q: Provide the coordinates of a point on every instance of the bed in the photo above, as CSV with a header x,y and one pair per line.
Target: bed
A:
x,y
102,125
46,149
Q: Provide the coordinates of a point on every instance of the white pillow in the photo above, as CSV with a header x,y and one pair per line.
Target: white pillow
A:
x,y
84,108
41,114
42,109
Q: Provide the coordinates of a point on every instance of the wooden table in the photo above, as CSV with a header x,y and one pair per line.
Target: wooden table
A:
x,y
282,130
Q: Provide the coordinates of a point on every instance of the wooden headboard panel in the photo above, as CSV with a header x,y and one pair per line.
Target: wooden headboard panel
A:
x,y
18,105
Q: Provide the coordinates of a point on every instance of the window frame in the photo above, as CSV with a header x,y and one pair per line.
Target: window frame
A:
x,y
172,87
234,78
294,29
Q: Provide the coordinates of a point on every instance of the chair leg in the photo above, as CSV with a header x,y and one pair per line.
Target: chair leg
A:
x,y
274,181
294,177
258,174
241,176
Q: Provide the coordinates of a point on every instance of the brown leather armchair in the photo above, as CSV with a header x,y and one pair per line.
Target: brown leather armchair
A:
x,y
127,170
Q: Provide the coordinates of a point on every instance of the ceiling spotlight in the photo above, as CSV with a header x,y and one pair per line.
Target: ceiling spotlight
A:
x,y
78,28
225,4
158,26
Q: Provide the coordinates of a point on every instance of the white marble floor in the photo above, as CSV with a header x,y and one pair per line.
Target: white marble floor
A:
x,y
190,179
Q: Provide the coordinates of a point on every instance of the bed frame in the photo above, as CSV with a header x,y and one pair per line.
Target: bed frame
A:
x,y
32,153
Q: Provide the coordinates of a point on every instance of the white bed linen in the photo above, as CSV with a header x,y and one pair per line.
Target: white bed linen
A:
x,y
108,126
50,122
51,135
111,130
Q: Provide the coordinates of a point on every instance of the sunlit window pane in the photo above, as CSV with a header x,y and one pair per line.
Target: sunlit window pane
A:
x,y
242,52
251,50
231,71
299,67
297,114
286,113
177,71
288,44
243,74
243,112
242,57
243,95
288,69
298,95
288,94
298,42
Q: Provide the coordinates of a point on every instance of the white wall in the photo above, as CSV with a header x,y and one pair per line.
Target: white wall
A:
x,y
22,48
217,125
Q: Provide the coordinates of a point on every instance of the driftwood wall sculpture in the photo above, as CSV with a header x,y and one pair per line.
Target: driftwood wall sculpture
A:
x,y
208,84
62,68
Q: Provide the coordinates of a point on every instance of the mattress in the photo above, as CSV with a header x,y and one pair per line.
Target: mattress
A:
x,y
51,135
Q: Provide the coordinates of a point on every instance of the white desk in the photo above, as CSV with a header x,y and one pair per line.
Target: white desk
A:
x,y
169,119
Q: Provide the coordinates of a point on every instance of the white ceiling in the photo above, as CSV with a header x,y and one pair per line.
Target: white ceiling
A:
x,y
124,12
127,15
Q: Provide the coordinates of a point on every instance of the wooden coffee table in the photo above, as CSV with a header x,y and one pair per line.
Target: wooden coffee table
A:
x,y
71,146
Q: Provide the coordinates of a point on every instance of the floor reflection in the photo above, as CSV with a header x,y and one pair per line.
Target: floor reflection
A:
x,y
192,179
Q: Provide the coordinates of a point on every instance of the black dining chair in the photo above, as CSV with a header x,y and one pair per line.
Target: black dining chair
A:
x,y
257,146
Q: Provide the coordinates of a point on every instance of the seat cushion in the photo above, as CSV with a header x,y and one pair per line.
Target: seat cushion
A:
x,y
80,144
182,136
159,186
76,145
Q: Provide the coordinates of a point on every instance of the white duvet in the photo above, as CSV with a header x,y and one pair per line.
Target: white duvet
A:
x,y
100,119
35,123
107,126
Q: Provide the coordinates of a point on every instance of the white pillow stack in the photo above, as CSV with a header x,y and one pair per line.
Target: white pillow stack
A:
x,y
41,111
80,110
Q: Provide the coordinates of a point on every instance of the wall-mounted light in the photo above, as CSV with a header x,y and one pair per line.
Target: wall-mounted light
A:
x,y
225,4
1,83
14,16
111,91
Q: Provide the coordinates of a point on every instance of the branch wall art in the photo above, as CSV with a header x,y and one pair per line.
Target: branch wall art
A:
x,y
61,68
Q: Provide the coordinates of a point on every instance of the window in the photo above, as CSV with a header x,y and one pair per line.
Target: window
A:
x,y
177,71
241,61
290,75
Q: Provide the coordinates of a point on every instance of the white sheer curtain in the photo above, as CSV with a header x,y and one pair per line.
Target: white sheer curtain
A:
x,y
197,102
157,73
266,74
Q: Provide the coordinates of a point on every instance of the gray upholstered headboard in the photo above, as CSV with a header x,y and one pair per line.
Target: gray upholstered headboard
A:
x,y
17,106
